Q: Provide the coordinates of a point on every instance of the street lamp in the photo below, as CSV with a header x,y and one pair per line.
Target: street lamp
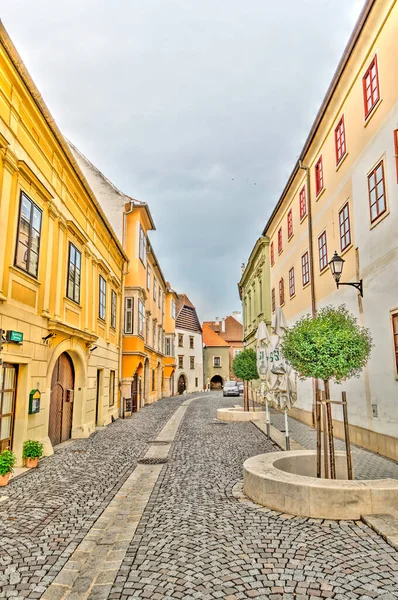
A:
x,y
336,268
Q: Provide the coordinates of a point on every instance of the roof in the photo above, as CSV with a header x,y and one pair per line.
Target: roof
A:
x,y
44,111
325,102
187,317
211,338
233,329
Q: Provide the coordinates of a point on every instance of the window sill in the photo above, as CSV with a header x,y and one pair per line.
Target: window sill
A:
x,y
291,237
303,218
372,112
342,159
379,219
305,285
25,275
324,270
346,249
323,190
292,296
73,303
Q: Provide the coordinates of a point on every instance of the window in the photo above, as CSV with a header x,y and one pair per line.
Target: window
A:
x,y
153,380
159,339
319,176
148,277
74,272
180,340
377,197
395,336
128,315
168,347
147,326
323,251
344,225
216,361
371,92
154,335
196,382
113,309
339,140
237,351
102,298
27,254
173,350
191,341
281,292
141,317
191,362
163,301
111,388
160,298
142,249
396,151
280,248
303,204
154,288
292,285
173,309
273,299
272,254
305,268
289,224
180,362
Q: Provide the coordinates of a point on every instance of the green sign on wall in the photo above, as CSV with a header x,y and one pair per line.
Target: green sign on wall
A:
x,y
14,336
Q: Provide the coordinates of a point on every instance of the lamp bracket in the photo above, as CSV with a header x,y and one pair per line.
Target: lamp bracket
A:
x,y
357,285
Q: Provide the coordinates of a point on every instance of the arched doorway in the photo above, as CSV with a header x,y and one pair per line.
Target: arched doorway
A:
x,y
146,382
172,384
61,400
216,382
182,384
159,381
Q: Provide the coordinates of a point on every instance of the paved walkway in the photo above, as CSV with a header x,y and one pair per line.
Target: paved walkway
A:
x,y
190,538
367,465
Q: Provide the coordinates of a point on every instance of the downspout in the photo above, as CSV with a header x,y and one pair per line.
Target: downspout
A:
x,y
312,278
121,327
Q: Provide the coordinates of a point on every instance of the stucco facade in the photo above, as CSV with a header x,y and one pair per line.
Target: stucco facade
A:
x,y
61,271
343,196
188,348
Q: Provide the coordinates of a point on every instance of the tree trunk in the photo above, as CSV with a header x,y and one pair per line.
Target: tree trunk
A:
x,y
330,431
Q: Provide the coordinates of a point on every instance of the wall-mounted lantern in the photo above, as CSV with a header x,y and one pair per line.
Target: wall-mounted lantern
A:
x,y
336,268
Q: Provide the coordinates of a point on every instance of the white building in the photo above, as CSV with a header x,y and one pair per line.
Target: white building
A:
x,y
189,348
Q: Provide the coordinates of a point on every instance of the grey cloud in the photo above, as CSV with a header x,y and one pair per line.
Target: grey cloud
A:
x,y
187,105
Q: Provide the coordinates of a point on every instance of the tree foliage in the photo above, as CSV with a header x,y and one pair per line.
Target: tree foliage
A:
x,y
330,345
245,365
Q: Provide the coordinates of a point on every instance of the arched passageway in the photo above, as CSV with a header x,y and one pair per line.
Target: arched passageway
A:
x,y
182,384
216,382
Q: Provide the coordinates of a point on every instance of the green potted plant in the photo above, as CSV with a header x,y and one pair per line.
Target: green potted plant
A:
x,y
32,451
7,463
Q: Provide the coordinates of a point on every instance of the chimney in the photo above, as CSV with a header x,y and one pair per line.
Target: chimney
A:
x,y
217,320
223,325
237,315
243,268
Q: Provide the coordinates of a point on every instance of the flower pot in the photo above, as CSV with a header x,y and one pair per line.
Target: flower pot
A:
x,y
32,463
4,479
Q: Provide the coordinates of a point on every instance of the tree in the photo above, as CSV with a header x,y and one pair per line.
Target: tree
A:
x,y
329,346
245,368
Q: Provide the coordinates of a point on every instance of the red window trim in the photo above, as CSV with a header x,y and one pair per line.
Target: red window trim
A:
x,y
273,299
340,129
319,183
323,251
396,150
307,270
289,224
272,253
375,100
303,203
373,172
292,283
281,292
280,241
346,232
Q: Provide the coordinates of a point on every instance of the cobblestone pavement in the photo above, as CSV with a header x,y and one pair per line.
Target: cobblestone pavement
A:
x,y
49,511
196,541
367,465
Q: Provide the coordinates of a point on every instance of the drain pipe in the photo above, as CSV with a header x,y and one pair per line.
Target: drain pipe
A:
x,y
312,279
121,327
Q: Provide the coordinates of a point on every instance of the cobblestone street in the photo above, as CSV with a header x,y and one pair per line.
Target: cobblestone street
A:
x,y
194,538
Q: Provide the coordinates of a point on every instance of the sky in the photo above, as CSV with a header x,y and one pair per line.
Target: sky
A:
x,y
197,107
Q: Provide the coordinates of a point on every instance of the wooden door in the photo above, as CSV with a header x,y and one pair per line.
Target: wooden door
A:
x,y
8,385
61,401
181,384
134,393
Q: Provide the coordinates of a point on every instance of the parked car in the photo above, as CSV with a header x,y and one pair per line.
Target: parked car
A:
x,y
230,388
240,386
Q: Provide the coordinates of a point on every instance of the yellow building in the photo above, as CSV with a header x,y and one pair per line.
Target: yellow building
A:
x,y
342,195
61,271
148,315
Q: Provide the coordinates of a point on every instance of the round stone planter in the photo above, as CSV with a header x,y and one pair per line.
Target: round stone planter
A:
x,y
238,414
286,482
